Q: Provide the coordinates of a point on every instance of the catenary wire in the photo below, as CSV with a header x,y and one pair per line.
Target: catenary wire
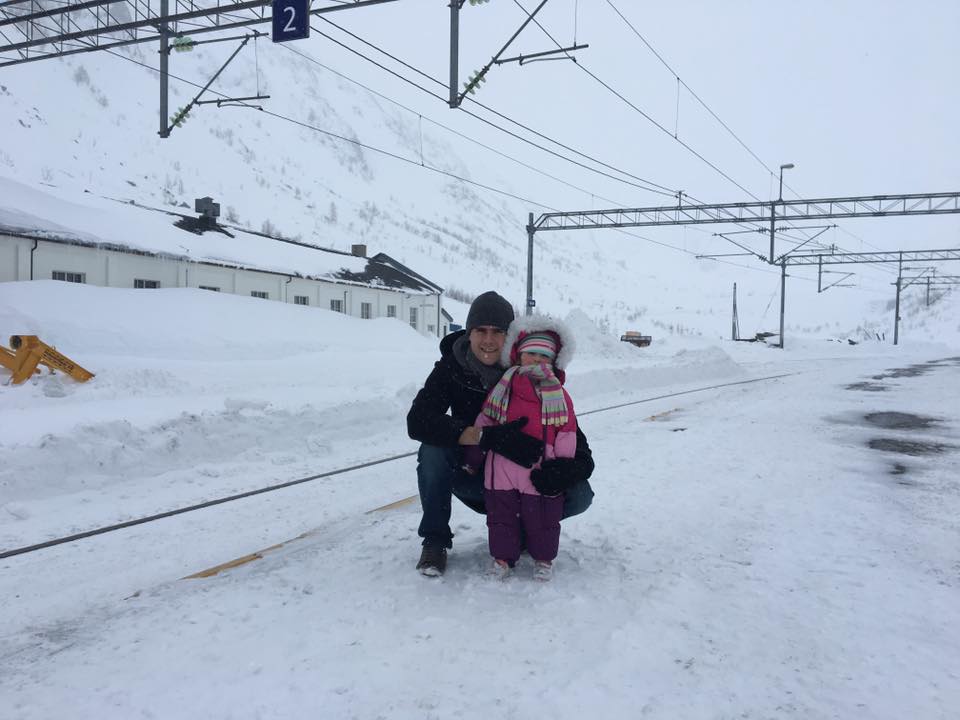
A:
x,y
497,113
352,141
494,125
669,192
646,116
878,267
417,164
401,77
384,152
690,89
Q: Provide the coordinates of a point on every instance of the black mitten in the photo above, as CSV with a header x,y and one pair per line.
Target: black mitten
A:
x,y
511,442
556,476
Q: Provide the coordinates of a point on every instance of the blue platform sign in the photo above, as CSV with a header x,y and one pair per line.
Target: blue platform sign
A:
x,y
291,20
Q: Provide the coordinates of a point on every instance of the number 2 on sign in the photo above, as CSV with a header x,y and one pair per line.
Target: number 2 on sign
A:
x,y
289,26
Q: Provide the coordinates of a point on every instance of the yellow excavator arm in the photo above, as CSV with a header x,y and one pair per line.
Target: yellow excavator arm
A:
x,y
28,351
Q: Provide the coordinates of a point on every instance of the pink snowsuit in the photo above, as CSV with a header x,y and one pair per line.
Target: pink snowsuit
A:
x,y
514,506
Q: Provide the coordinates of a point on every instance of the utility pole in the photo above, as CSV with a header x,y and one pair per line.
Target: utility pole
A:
x,y
454,51
734,330
773,216
783,292
896,312
530,300
773,219
164,67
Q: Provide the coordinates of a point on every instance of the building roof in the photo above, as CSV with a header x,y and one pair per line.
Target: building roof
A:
x,y
92,221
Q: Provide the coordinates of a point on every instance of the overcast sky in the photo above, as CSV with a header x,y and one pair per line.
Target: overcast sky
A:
x,y
860,96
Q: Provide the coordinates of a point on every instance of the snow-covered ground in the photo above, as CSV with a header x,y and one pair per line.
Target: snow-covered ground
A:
x,y
756,550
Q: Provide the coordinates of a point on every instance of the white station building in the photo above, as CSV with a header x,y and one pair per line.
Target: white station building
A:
x,y
113,243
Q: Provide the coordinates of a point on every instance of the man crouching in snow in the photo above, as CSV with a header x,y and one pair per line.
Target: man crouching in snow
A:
x,y
468,368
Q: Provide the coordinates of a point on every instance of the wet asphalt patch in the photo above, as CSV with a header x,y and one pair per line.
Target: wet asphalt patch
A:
x,y
868,387
908,447
900,421
909,371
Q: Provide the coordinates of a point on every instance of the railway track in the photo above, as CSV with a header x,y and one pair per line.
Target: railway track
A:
x,y
13,552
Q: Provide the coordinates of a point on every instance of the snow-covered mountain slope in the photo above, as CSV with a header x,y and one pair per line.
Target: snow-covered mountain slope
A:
x,y
306,167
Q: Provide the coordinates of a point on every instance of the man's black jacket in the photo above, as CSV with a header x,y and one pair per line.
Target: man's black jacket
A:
x,y
450,386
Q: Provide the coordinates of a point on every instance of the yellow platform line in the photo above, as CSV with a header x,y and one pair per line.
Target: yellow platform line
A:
x,y
661,415
258,555
391,506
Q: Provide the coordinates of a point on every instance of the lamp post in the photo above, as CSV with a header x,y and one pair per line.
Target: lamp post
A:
x,y
773,209
787,166
783,264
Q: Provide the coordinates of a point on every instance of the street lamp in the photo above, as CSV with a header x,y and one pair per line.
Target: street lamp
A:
x,y
773,209
787,166
783,262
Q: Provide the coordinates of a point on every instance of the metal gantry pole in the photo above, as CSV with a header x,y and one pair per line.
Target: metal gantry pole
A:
x,y
783,293
733,328
773,219
164,67
530,232
454,51
896,311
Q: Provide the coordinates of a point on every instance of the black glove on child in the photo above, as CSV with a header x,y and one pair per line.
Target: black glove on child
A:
x,y
511,442
555,476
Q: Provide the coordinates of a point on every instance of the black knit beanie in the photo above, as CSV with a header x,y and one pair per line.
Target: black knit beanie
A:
x,y
490,309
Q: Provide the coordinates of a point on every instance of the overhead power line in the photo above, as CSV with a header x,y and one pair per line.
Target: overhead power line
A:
x,y
670,69
643,114
495,112
689,89
342,138
486,120
653,186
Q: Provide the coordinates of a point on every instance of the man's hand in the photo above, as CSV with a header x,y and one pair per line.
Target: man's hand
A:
x,y
511,442
469,436
555,476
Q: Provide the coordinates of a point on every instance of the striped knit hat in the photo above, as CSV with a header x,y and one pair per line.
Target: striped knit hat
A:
x,y
539,343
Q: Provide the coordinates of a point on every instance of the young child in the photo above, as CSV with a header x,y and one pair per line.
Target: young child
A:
x,y
537,350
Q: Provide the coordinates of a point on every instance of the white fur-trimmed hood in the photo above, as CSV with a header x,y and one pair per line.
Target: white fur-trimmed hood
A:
x,y
537,323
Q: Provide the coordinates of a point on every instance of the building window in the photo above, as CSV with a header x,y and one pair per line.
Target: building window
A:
x,y
413,318
431,329
301,300
211,288
146,284
366,312
260,294
69,276
336,305
391,310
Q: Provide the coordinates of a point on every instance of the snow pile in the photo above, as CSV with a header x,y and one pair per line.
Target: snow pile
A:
x,y
188,381
748,551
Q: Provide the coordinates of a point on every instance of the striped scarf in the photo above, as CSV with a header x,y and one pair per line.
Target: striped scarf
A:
x,y
553,405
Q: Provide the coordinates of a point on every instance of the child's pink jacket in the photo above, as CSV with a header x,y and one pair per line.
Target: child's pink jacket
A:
x,y
560,442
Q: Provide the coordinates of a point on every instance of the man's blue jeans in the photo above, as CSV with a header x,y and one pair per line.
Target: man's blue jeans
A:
x,y
440,477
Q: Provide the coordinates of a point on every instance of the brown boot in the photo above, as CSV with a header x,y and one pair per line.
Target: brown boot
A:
x,y
433,561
